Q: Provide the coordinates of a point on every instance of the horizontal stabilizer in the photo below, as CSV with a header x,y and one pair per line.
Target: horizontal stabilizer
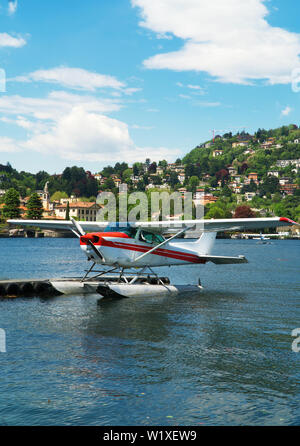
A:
x,y
221,260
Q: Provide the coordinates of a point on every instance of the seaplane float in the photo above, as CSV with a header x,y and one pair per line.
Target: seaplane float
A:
x,y
127,253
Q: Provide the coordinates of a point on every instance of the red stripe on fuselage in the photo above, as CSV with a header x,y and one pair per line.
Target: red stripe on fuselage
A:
x,y
187,257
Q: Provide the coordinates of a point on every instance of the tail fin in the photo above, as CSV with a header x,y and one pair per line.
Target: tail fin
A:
x,y
205,243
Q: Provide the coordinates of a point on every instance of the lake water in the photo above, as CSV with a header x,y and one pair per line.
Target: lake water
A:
x,y
220,358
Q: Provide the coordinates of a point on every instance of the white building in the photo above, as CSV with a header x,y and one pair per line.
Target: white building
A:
x,y
84,211
273,173
249,195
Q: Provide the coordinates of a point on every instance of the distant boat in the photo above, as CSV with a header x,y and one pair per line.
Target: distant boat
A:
x,y
262,239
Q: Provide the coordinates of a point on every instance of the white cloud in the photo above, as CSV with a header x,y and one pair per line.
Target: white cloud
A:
x,y
6,40
142,127
8,145
74,78
194,87
12,7
84,136
207,104
74,128
231,40
286,111
55,105
130,91
197,88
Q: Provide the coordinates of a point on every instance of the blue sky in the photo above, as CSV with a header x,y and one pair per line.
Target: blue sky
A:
x,y
95,82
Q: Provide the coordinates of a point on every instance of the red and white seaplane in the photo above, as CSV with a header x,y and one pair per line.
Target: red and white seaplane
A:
x,y
143,246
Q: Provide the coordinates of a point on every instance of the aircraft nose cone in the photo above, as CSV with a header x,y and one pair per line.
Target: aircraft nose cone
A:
x,y
85,239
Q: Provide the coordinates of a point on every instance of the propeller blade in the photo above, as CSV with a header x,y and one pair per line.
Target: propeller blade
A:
x,y
76,233
77,226
80,232
95,250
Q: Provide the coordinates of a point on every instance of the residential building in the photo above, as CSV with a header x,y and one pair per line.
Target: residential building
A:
x,y
249,152
237,178
232,170
253,176
273,173
159,170
217,152
284,180
84,211
240,144
249,195
288,189
181,178
98,176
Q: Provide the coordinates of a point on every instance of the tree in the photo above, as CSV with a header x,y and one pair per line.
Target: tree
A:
x,y
34,207
58,195
270,185
152,168
173,180
244,212
193,183
11,207
137,169
68,211
108,184
226,191
222,175
215,212
126,175
163,164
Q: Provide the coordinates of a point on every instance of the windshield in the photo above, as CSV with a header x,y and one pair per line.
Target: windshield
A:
x,y
131,232
149,237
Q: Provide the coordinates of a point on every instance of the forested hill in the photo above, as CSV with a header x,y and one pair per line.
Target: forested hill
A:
x,y
73,180
259,152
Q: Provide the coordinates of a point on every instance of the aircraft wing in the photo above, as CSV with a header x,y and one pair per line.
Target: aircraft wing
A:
x,y
63,225
216,225
212,225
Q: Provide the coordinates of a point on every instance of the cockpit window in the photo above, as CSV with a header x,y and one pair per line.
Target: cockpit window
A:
x,y
131,232
149,237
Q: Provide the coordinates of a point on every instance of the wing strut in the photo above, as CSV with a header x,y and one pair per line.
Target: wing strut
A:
x,y
163,243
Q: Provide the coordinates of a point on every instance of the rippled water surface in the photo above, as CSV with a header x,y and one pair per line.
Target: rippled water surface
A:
x,y
220,358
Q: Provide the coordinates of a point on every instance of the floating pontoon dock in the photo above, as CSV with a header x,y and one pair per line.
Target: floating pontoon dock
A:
x,y
108,286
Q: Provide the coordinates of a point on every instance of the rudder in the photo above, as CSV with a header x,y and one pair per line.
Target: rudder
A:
x,y
205,242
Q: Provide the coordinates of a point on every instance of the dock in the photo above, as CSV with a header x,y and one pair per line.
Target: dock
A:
x,y
27,288
14,288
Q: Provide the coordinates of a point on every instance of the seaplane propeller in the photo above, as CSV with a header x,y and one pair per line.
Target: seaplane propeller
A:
x,y
80,233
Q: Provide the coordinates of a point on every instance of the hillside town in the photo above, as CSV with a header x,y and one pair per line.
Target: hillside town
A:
x,y
260,171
